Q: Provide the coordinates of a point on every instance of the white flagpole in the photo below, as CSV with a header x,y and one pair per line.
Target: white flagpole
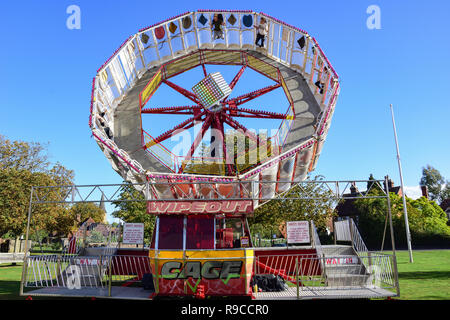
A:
x,y
408,234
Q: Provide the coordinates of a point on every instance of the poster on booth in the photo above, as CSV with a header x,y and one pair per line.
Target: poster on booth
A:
x,y
297,232
245,242
133,233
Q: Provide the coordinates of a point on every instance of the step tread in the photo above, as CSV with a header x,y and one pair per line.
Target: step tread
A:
x,y
335,276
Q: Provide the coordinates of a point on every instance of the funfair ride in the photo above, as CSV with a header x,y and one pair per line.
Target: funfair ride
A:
x,y
202,198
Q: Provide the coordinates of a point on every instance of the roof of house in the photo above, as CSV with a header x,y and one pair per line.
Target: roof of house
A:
x,y
346,208
445,204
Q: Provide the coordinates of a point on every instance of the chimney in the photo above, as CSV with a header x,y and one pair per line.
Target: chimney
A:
x,y
424,191
390,184
353,188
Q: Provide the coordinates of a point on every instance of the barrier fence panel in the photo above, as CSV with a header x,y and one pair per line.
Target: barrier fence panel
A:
x,y
308,276
90,276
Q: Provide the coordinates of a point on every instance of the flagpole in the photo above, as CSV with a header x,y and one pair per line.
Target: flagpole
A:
x,y
408,234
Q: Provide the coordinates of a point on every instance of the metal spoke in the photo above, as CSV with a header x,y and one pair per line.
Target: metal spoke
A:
x,y
197,140
237,77
173,110
250,113
188,94
218,125
236,125
187,124
252,95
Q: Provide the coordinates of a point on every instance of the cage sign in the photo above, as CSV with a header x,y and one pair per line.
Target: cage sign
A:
x,y
297,232
133,233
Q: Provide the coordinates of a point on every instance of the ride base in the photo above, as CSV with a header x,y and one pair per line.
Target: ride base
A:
x,y
210,272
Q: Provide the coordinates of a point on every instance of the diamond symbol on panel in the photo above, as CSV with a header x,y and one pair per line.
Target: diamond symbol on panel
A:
x,y
211,90
172,27
232,20
202,19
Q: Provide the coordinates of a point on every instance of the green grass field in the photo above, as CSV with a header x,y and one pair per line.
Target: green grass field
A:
x,y
10,281
428,278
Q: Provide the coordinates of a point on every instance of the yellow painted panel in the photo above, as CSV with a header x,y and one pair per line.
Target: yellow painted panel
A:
x,y
150,88
263,67
183,64
202,254
223,57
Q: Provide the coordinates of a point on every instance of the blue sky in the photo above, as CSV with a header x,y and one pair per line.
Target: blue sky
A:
x,y
47,71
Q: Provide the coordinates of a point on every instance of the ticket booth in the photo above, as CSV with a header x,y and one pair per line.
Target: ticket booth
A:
x,y
211,252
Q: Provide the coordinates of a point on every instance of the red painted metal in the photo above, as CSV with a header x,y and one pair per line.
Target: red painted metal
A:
x,y
174,207
218,124
216,120
198,139
187,124
237,77
238,112
173,110
167,20
278,159
236,125
283,261
278,272
115,152
253,95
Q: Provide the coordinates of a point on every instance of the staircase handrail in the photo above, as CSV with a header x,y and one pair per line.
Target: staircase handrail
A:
x,y
318,246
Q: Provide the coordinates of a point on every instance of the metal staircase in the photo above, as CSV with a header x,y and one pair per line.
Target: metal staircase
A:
x,y
343,267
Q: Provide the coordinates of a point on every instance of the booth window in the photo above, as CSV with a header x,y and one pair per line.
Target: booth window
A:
x,y
229,232
170,232
200,232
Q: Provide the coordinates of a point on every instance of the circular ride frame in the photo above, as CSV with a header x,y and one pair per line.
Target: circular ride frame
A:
x,y
126,82
291,58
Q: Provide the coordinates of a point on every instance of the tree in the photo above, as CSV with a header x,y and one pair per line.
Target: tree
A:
x,y
272,214
84,210
20,155
15,186
134,211
433,180
427,221
370,182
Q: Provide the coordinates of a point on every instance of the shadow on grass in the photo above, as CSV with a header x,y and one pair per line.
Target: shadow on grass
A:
x,y
10,290
435,275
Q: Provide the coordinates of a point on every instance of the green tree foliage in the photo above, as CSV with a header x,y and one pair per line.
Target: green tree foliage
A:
x,y
427,221
23,165
20,155
434,181
81,211
134,211
15,186
272,214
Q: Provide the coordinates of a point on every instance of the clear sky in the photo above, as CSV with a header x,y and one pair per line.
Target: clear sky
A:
x,y
46,73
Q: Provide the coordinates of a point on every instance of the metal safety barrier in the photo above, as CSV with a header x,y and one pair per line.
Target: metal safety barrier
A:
x,y
84,276
308,276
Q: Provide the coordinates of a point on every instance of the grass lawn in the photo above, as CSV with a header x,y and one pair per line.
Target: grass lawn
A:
x,y
428,278
10,281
